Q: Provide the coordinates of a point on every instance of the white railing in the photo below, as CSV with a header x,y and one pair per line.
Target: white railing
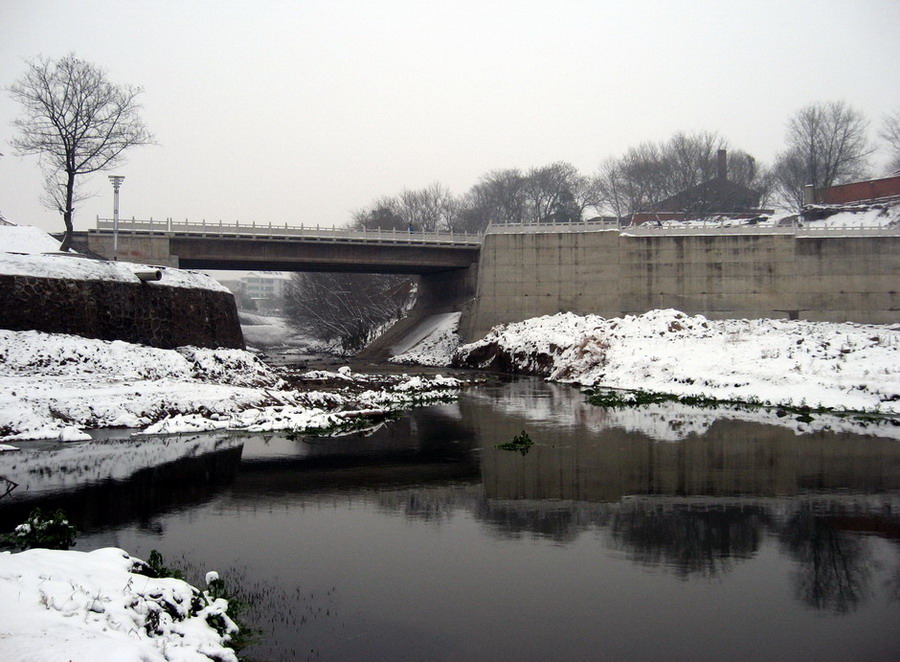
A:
x,y
580,226
255,230
335,234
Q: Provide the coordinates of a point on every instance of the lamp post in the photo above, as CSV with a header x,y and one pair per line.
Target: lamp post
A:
x,y
116,182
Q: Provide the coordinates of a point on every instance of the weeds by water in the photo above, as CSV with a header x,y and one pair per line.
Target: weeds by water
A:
x,y
617,398
52,531
238,602
521,443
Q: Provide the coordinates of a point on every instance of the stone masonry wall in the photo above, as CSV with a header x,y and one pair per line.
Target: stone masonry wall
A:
x,y
838,279
145,313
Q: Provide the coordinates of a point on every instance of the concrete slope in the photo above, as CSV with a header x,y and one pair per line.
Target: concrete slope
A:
x,y
439,294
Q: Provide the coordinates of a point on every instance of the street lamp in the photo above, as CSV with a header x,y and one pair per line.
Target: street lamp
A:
x,y
116,182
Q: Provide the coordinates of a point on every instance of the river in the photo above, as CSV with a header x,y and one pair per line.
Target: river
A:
x,y
620,535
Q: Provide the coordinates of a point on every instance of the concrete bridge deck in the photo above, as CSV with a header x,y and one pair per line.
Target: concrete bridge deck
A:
x,y
284,248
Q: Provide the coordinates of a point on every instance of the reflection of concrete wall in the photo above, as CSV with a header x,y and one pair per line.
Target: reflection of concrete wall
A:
x,y
732,458
721,276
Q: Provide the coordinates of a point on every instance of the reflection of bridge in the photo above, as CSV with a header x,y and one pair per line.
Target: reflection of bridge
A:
x,y
283,247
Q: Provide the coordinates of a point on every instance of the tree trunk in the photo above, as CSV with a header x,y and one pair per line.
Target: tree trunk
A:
x,y
67,213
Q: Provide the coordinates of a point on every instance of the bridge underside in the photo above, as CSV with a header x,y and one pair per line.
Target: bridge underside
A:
x,y
262,254
273,255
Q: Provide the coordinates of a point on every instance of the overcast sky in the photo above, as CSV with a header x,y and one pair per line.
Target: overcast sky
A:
x,y
304,111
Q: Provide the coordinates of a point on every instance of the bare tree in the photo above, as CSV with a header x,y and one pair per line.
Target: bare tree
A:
x,y
429,209
890,133
647,176
383,214
690,159
827,144
550,193
347,307
77,122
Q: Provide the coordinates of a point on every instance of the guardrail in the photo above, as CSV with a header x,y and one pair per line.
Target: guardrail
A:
x,y
580,226
714,228
334,234
255,230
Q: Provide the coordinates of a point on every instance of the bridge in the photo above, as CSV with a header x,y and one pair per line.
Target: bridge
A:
x,y
268,247
515,272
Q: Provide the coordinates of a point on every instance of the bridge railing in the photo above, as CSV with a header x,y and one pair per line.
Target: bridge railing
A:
x,y
255,230
579,226
710,228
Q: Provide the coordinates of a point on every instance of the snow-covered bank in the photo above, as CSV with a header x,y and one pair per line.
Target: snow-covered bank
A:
x,y
28,251
781,362
431,343
267,332
53,386
101,605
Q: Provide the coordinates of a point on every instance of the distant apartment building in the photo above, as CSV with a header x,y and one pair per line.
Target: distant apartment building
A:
x,y
260,290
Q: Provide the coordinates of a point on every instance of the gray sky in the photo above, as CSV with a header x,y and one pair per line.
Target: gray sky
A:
x,y
304,111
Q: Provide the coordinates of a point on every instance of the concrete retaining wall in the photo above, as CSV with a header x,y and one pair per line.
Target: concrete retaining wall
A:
x,y
145,313
840,278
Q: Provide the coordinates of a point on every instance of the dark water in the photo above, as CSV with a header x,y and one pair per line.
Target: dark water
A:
x,y
618,536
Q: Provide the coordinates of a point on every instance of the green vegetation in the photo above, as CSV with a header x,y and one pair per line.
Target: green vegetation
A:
x,y
238,604
54,532
50,532
521,443
616,398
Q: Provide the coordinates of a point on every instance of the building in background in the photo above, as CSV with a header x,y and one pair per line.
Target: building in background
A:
x,y
261,291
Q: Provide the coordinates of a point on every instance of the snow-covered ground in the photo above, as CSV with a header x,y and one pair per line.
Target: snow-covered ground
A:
x,y
69,605
843,367
27,251
782,362
430,342
53,386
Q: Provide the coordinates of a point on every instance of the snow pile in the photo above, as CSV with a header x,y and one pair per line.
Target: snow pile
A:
x,y
791,363
67,605
431,343
856,215
873,217
26,240
27,251
33,353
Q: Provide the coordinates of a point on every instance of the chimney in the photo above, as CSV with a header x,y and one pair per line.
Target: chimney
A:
x,y
722,172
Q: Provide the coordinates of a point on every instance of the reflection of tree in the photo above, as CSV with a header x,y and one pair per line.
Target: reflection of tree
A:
x,y
689,540
6,486
834,572
512,520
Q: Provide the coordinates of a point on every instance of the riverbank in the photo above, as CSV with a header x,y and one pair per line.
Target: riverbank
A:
x,y
56,386
779,364
103,605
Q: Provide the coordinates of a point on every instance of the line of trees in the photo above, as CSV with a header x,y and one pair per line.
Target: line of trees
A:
x,y
826,143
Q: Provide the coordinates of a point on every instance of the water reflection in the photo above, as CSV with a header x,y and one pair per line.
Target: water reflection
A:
x,y
109,482
604,499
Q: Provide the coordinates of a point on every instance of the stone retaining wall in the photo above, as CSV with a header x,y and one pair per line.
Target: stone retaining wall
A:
x,y
145,313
